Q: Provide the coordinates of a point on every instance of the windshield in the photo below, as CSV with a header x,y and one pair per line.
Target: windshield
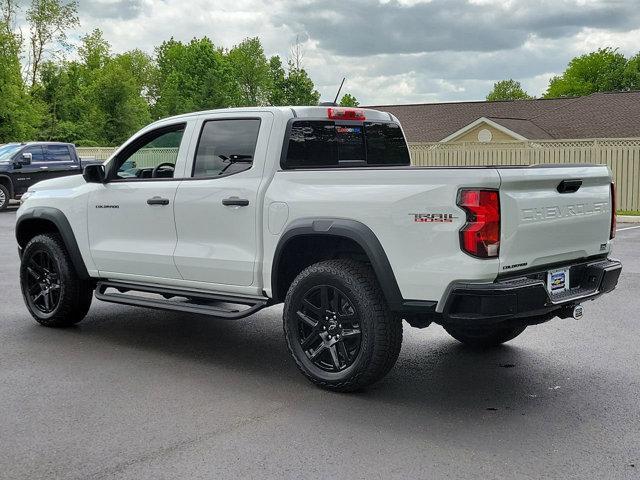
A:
x,y
7,151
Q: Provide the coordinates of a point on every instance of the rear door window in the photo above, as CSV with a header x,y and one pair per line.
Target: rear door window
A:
x,y
320,143
58,153
226,147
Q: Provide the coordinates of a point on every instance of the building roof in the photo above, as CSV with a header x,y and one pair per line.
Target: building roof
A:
x,y
599,115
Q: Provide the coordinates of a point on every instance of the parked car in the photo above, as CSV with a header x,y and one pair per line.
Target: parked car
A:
x,y
24,164
319,208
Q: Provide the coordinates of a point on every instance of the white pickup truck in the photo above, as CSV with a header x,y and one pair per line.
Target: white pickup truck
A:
x,y
319,208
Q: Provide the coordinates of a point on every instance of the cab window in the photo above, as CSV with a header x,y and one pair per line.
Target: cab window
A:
x,y
329,144
58,153
153,155
226,147
36,151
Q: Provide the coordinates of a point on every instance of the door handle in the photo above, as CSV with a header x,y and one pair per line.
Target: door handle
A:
x,y
158,201
44,168
235,202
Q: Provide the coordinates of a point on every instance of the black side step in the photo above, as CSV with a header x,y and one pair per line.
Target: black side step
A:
x,y
195,302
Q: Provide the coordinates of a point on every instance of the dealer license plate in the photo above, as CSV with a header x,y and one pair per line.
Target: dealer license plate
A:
x,y
558,281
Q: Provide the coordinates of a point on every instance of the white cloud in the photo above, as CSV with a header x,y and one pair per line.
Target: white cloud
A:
x,y
391,51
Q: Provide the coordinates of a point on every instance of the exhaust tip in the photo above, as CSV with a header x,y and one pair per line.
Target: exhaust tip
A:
x,y
578,312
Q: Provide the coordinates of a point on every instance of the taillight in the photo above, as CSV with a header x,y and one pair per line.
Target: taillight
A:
x,y
612,234
480,236
345,114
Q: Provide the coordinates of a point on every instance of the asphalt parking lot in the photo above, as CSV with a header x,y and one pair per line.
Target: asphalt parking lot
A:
x,y
135,394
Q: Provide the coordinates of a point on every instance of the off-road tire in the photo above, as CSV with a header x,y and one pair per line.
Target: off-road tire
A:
x,y
4,197
485,338
381,331
75,294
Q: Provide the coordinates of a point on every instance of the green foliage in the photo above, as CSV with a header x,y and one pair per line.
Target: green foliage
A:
x,y
190,77
49,21
19,116
507,90
97,99
631,73
102,98
277,81
94,51
605,70
251,72
349,100
290,87
299,87
115,106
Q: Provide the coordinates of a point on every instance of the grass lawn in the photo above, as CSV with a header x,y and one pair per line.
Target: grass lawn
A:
x,y
628,212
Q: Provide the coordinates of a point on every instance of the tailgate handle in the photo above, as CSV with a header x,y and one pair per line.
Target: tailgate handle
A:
x,y
569,186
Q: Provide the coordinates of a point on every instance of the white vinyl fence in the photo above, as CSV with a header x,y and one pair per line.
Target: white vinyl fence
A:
x,y
621,155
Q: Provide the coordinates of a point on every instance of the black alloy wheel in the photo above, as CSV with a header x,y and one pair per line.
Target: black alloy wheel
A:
x,y
328,328
43,282
338,327
53,293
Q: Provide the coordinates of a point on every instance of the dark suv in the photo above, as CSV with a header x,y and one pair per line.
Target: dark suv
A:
x,y
23,164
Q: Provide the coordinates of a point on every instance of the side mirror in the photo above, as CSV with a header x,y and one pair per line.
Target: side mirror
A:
x,y
25,159
94,173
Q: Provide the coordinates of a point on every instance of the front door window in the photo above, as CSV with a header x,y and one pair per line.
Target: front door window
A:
x,y
154,156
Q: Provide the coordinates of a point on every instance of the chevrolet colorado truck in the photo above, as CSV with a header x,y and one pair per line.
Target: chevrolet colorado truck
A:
x,y
24,164
318,208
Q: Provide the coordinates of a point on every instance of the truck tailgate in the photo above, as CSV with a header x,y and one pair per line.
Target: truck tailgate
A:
x,y
542,226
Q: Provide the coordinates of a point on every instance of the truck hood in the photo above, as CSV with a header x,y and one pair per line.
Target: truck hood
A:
x,y
70,181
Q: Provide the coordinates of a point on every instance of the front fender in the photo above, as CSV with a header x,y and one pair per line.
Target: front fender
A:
x,y
40,219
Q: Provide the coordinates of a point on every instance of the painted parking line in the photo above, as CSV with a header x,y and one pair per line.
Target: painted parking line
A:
x,y
627,228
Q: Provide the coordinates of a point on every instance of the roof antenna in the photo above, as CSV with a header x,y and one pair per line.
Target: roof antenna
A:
x,y
335,100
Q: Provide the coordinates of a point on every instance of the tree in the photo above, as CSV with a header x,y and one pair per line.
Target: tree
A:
x,y
251,72
299,89
349,100
293,86
94,51
63,86
101,98
631,75
193,76
117,106
61,90
19,116
8,13
48,21
277,82
599,71
507,90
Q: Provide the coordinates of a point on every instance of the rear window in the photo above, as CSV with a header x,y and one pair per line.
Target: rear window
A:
x,y
226,146
58,153
320,143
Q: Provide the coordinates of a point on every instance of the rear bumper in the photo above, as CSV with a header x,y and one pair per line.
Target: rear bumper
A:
x,y
525,297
